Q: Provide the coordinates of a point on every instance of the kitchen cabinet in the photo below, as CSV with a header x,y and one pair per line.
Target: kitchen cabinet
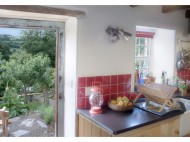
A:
x,y
165,128
88,128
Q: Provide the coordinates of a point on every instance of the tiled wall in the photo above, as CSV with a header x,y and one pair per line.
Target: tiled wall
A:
x,y
184,74
112,86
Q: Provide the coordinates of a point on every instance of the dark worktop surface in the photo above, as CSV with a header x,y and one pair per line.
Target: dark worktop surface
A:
x,y
120,122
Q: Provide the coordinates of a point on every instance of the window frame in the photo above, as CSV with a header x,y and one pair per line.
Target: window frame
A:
x,y
148,57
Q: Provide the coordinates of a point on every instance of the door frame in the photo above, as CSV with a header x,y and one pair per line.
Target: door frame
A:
x,y
69,21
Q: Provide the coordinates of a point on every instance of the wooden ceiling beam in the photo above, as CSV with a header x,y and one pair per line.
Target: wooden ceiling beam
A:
x,y
187,13
170,8
133,6
43,9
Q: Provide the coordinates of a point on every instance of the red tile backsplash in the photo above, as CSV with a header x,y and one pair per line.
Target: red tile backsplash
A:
x,y
121,88
121,78
127,87
87,103
106,90
81,92
82,82
98,78
112,87
121,94
81,103
184,74
114,79
133,96
127,78
106,99
112,96
106,80
90,80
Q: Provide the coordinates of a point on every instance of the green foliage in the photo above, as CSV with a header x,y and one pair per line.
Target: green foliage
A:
x,y
32,106
5,51
47,79
13,102
47,113
182,85
8,44
24,70
2,79
40,41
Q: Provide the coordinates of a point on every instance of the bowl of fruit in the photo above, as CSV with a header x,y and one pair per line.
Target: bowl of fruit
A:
x,y
120,104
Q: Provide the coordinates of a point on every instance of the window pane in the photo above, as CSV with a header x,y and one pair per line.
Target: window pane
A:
x,y
142,62
137,41
141,51
144,72
144,41
137,51
142,55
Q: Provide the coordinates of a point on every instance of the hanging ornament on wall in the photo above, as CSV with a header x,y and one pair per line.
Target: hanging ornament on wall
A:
x,y
115,33
114,37
112,34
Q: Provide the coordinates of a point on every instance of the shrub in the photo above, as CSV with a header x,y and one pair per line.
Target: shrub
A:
x,y
13,102
32,106
47,113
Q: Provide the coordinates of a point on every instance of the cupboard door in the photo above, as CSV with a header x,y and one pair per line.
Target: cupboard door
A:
x,y
105,133
171,128
174,128
87,128
152,132
96,130
81,126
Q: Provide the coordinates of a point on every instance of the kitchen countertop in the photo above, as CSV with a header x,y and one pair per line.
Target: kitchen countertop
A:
x,y
177,94
120,122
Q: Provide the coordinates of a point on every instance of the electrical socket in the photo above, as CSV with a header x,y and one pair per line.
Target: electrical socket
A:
x,y
87,91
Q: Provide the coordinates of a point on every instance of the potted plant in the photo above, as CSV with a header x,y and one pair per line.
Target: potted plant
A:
x,y
183,87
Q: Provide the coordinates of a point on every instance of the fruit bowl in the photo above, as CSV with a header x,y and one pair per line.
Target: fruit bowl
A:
x,y
120,104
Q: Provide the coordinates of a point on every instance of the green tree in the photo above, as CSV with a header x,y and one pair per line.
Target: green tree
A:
x,y
2,70
24,71
46,82
40,41
5,51
13,102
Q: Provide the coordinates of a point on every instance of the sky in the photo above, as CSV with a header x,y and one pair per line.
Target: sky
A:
x,y
10,31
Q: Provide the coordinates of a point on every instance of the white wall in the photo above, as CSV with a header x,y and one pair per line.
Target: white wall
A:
x,y
98,56
163,54
70,77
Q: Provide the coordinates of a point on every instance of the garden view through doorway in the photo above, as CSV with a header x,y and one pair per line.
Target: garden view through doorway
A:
x,y
29,72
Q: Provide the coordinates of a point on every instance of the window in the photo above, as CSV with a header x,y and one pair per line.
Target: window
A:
x,y
142,52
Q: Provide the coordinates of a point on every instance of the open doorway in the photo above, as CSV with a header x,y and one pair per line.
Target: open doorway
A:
x,y
58,63
28,80
69,126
